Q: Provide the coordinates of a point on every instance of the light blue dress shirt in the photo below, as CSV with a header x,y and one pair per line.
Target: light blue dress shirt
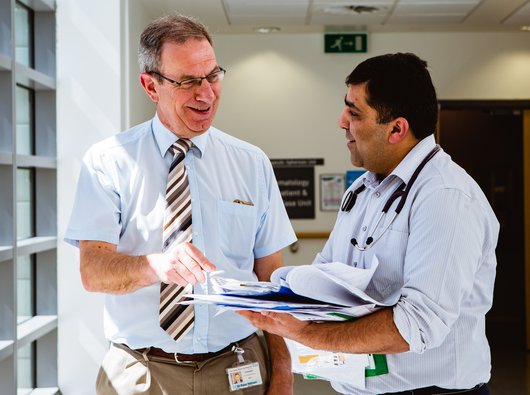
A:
x,y
439,258
121,200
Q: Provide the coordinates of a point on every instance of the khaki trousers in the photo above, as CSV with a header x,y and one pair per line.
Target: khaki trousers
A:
x,y
126,372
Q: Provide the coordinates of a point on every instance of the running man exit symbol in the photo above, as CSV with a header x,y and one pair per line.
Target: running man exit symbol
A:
x,y
345,43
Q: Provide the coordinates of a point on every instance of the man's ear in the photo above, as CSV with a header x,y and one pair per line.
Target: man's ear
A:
x,y
150,86
400,129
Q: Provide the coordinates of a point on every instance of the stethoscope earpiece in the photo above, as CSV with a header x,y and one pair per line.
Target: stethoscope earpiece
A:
x,y
351,198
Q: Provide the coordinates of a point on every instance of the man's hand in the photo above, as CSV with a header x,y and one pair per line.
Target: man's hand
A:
x,y
184,264
103,269
281,324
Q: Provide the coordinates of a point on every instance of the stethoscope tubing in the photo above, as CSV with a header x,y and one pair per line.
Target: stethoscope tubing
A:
x,y
401,192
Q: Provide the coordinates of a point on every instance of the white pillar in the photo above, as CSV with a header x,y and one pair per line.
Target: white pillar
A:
x,y
89,108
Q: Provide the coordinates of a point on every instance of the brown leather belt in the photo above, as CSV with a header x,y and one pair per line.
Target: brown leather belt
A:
x,y
179,357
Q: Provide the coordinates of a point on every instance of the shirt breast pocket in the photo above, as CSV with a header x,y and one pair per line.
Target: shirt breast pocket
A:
x,y
390,251
237,230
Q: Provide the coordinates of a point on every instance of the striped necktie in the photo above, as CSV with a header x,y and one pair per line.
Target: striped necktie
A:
x,y
176,319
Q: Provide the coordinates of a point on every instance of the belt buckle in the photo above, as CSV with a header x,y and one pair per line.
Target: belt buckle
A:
x,y
177,359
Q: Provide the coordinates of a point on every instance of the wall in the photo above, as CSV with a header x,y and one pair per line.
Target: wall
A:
x,y
89,109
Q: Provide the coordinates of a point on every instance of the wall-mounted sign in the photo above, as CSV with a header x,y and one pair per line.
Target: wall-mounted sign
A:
x,y
297,162
296,179
352,175
346,43
331,191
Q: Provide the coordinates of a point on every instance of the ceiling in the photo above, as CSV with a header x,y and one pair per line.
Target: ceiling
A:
x,y
306,16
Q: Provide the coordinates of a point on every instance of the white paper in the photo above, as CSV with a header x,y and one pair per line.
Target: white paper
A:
x,y
333,366
336,292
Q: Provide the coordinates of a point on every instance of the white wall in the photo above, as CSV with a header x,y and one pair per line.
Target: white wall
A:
x,y
89,107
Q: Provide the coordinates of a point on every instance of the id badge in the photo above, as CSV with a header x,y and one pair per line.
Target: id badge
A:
x,y
244,373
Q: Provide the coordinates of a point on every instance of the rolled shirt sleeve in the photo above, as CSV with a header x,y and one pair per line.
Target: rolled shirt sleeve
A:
x,y
444,253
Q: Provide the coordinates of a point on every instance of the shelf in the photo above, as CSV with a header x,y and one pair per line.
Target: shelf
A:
x,y
312,235
6,158
6,252
6,348
36,244
5,62
40,5
45,391
33,78
35,328
41,162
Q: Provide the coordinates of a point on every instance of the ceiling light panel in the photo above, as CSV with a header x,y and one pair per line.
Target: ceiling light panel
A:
x,y
271,12
519,17
320,18
431,11
356,12
266,7
471,3
373,3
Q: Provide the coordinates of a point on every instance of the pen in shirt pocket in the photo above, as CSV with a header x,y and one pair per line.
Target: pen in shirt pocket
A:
x,y
239,201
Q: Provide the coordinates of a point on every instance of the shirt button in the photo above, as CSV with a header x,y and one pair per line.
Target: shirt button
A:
x,y
377,194
364,228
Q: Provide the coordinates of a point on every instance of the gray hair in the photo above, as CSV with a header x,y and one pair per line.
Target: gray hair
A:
x,y
170,28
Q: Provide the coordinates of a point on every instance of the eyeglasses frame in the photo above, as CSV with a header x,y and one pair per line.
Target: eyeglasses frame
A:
x,y
197,80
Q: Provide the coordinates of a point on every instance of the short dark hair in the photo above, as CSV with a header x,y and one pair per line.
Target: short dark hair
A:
x,y
399,85
173,28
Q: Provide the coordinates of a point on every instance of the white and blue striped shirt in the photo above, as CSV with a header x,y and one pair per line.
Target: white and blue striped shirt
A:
x,y
439,257
121,200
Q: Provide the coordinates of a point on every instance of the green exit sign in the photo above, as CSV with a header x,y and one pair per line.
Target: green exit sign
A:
x,y
345,43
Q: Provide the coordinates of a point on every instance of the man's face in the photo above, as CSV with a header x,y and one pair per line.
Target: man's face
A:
x,y
366,138
186,112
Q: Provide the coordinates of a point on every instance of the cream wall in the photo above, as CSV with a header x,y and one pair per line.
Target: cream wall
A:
x,y
281,93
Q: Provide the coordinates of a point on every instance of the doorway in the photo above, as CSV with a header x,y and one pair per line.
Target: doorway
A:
x,y
489,139
486,139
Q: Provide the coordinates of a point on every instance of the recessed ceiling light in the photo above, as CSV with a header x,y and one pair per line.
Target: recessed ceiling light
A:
x,y
352,9
267,29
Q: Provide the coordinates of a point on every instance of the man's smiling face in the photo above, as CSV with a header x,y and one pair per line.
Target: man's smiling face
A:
x,y
187,112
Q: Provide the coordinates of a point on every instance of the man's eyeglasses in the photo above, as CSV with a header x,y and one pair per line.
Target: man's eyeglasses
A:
x,y
212,78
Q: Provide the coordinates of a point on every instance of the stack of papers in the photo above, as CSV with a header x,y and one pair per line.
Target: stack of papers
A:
x,y
330,291
324,292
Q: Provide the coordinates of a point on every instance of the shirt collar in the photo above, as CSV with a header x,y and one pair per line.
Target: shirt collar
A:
x,y
412,160
165,138
407,166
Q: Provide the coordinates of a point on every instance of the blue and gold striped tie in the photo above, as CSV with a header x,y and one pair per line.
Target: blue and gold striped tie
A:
x,y
176,319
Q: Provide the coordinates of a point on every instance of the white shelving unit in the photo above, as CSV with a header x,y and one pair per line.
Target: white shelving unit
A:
x,y
27,61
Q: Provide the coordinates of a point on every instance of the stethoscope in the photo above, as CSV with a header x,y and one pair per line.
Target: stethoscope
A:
x,y
401,192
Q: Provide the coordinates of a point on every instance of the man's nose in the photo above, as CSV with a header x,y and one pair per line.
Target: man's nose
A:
x,y
204,91
343,123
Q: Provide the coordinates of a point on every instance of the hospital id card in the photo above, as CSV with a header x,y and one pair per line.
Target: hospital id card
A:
x,y
244,376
